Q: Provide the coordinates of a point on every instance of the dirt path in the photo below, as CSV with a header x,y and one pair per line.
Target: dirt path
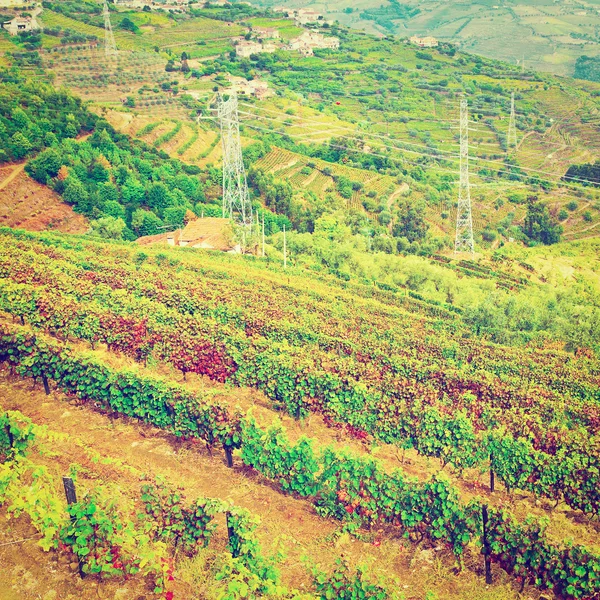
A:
x,y
148,450
403,189
18,169
585,230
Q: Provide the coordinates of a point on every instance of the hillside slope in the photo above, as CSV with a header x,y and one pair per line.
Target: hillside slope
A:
x,y
168,337
26,204
550,36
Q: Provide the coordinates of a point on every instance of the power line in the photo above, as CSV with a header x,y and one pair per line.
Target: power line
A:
x,y
403,160
236,199
437,154
110,46
374,135
366,133
464,220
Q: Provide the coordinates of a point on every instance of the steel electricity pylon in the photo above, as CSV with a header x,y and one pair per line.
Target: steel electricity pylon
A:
x,y
110,46
464,220
511,139
236,200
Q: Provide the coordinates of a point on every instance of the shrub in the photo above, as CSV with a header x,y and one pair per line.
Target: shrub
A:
x,y
488,235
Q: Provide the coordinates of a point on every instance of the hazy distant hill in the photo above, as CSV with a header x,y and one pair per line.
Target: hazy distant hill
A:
x,y
549,35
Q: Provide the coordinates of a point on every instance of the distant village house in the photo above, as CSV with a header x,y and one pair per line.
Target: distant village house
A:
x,y
246,48
424,42
266,33
309,40
210,233
304,16
255,87
19,24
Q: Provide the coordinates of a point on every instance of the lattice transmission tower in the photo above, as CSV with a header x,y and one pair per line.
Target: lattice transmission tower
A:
x,y
110,46
464,220
511,140
236,200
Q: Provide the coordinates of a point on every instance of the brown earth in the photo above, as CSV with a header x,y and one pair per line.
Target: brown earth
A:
x,y
27,204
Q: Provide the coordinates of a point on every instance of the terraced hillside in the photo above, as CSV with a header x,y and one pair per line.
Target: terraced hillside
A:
x,y
383,114
549,35
155,31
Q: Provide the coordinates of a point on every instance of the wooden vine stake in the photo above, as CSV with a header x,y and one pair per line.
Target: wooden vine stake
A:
x,y
233,541
11,437
492,476
228,455
71,496
45,382
486,545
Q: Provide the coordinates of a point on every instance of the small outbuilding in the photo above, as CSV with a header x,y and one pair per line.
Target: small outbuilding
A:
x,y
19,24
210,233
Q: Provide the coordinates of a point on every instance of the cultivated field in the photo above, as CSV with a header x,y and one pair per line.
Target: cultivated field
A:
x,y
549,35
317,343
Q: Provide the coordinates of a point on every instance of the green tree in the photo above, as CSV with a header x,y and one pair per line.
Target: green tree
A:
x,y
110,228
158,197
411,222
128,25
20,146
75,193
109,193
114,209
174,216
45,165
145,222
133,192
539,225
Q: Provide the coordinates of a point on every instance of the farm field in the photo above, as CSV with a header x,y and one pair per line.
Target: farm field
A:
x,y
549,35
139,75
198,473
247,336
154,32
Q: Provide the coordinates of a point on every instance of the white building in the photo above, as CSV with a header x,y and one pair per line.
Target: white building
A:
x,y
255,87
309,40
304,16
19,24
266,33
424,42
246,48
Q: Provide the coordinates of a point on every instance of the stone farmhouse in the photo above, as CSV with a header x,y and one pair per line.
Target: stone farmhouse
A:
x,y
424,42
18,24
210,233
266,33
309,40
255,87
